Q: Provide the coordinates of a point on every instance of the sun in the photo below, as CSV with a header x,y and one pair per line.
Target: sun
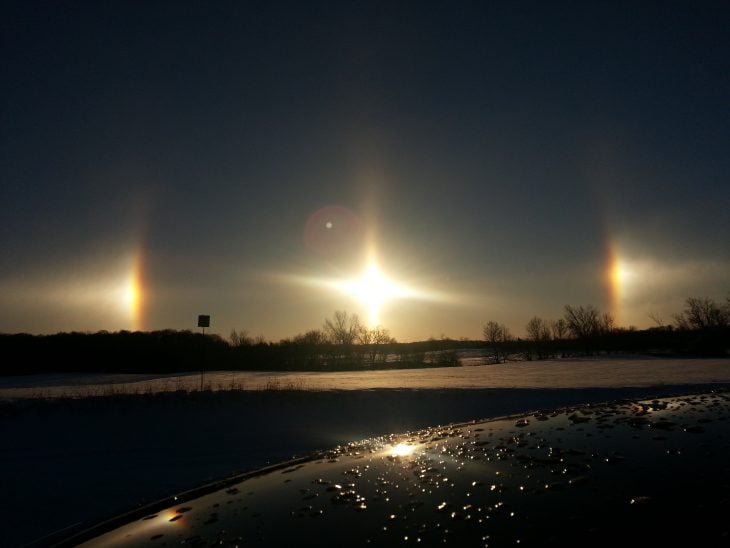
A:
x,y
131,295
373,289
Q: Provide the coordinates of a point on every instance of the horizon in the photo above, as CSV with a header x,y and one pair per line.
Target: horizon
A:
x,y
256,337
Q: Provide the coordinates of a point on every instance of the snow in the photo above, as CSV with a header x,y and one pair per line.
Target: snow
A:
x,y
71,460
566,373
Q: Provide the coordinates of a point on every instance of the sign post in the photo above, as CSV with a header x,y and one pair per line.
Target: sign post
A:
x,y
203,322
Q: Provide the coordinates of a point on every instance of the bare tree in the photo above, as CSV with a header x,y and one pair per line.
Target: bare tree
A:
x,y
375,339
657,319
559,329
497,334
588,325
343,328
560,332
382,336
313,337
702,314
311,347
493,332
607,323
365,336
582,321
240,338
538,331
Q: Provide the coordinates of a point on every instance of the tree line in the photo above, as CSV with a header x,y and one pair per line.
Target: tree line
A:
x,y
344,343
702,329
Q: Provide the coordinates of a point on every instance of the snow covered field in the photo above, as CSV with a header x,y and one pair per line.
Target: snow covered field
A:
x,y
71,460
566,373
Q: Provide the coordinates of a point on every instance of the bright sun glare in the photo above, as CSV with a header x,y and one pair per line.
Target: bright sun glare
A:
x,y
402,450
373,289
130,295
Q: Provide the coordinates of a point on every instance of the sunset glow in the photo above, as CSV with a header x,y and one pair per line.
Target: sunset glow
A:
x,y
282,188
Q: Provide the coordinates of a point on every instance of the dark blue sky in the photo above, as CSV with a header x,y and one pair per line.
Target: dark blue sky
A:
x,y
162,159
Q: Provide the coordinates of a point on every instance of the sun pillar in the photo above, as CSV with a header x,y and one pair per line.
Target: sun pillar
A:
x,y
614,280
135,292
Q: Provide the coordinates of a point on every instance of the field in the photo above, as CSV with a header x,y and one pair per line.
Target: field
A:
x,y
77,449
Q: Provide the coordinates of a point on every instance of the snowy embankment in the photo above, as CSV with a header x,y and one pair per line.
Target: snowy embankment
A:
x,y
70,460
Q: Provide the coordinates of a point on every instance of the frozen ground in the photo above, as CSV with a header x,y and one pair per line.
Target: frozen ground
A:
x,y
567,373
73,460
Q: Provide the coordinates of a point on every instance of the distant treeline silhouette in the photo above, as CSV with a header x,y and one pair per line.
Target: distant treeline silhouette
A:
x,y
701,329
343,343
171,351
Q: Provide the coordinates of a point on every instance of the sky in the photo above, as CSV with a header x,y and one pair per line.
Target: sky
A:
x,y
429,166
